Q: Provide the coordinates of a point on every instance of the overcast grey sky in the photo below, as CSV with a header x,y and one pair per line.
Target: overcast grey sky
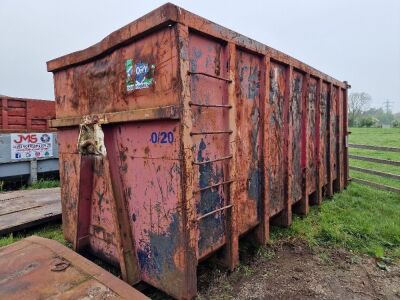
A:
x,y
353,40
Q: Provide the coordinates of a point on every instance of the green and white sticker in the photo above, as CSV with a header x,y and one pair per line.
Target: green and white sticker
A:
x,y
138,76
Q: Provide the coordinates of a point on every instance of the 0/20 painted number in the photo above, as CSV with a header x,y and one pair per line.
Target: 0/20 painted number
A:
x,y
162,137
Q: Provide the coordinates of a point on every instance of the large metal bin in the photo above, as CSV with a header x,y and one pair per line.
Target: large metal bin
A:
x,y
190,135
25,115
25,120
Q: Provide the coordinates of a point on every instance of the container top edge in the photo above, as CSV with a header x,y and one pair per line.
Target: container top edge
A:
x,y
171,13
150,21
25,99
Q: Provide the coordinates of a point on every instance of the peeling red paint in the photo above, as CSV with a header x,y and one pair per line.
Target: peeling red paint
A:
x,y
248,133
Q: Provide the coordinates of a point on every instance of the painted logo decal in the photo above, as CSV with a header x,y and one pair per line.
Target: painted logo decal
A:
x,y
45,138
138,76
30,145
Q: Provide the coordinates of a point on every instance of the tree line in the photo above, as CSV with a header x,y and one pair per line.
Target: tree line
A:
x,y
360,114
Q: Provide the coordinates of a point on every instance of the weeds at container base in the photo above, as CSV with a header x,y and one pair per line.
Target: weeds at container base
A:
x,y
360,219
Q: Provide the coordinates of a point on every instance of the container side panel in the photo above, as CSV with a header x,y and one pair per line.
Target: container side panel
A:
x,y
209,58
296,141
39,125
275,137
3,113
248,70
334,132
40,112
312,159
208,199
346,135
324,149
342,125
13,120
142,74
18,112
149,164
208,91
16,104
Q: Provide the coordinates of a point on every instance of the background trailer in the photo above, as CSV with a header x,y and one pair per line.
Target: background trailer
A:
x,y
28,146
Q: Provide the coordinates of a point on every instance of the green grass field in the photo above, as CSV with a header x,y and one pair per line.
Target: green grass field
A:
x,y
375,136
360,219
388,137
375,166
51,231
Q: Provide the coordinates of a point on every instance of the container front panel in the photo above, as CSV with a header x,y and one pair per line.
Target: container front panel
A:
x,y
312,135
123,80
248,197
208,56
147,154
69,163
69,181
324,145
295,116
275,144
102,234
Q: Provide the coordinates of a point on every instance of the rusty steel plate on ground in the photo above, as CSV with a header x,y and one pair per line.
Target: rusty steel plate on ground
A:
x,y
23,209
39,268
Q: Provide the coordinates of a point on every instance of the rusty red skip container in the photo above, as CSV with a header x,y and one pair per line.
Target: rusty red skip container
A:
x,y
25,115
177,136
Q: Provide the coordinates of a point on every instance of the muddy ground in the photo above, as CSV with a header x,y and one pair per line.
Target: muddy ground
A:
x,y
291,270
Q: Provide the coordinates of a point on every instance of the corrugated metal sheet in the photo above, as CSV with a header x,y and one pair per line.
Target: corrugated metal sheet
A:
x,y
25,115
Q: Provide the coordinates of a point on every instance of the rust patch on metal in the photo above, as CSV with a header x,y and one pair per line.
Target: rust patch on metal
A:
x,y
275,144
295,136
312,135
38,268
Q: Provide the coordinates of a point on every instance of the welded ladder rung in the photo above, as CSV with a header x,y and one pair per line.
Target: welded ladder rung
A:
x,y
213,160
210,75
210,105
213,185
211,132
214,211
